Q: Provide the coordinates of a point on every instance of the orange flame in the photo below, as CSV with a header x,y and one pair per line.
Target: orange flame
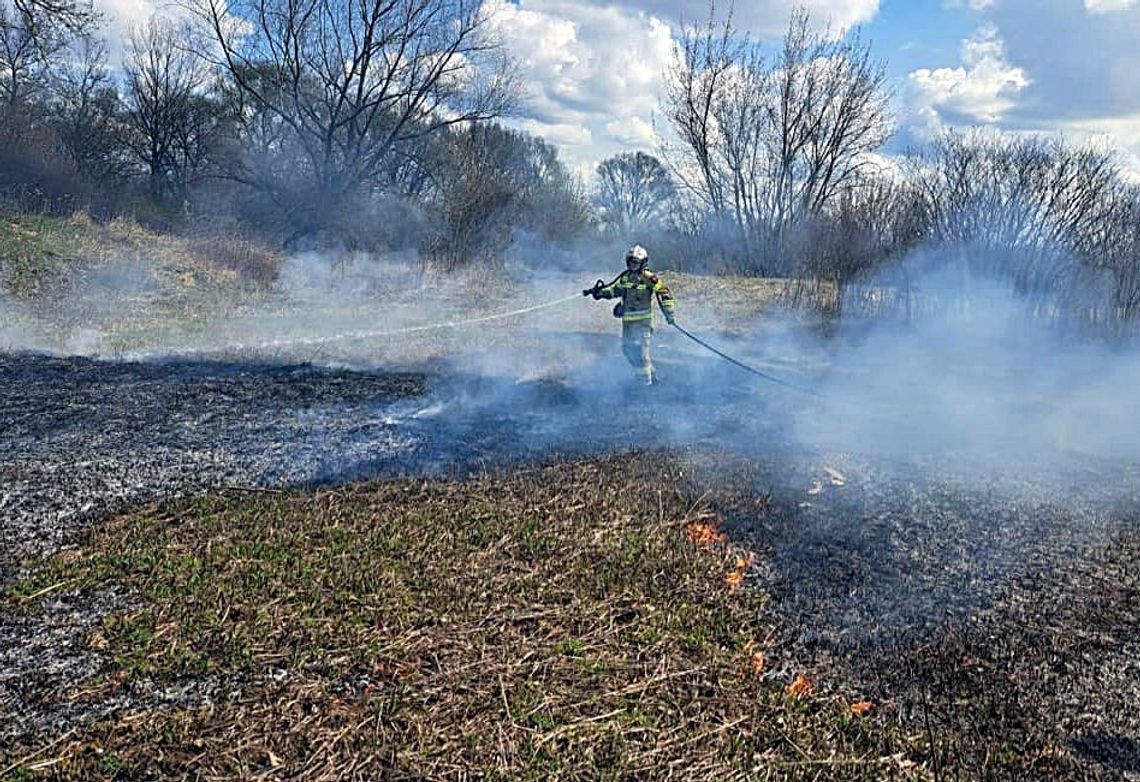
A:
x,y
801,687
861,708
704,535
736,577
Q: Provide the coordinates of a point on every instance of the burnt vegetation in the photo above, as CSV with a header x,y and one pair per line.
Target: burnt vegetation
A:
x,y
197,585
379,127
622,615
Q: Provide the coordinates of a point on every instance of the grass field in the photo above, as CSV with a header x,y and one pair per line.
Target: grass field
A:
x,y
607,616
578,620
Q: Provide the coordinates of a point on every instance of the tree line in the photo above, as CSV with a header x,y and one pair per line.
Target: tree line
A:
x,y
379,124
368,123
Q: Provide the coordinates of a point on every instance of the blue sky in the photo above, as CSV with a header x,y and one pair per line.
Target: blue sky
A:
x,y
593,69
919,34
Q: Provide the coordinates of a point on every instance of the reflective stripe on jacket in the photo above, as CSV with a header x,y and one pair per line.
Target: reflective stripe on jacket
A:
x,y
636,291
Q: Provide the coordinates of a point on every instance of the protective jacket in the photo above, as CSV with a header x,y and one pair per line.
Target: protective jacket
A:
x,y
636,290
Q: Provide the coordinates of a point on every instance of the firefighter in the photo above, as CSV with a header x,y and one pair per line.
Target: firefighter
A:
x,y
637,287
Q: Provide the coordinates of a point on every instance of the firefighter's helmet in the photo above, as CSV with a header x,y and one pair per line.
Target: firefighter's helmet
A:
x,y
636,258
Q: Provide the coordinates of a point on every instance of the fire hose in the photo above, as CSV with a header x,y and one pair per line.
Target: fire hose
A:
x,y
496,316
600,284
744,366
354,335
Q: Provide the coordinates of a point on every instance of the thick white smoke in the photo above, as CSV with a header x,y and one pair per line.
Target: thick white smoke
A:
x,y
977,373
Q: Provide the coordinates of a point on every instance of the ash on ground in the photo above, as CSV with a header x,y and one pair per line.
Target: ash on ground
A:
x,y
919,582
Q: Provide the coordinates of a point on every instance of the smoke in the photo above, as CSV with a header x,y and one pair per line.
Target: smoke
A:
x,y
979,374
971,368
14,334
355,277
939,442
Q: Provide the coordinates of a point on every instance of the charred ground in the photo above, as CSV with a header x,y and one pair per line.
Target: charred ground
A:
x,y
990,615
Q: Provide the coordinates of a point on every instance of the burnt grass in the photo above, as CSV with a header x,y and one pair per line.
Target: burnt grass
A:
x,y
225,569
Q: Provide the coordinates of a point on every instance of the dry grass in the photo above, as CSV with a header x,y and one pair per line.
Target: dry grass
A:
x,y
124,285
250,259
578,620
34,253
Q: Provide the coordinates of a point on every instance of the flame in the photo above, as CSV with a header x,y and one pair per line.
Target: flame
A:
x,y
703,535
861,708
735,577
754,666
801,688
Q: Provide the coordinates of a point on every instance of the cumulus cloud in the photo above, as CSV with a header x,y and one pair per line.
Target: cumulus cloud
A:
x,y
1083,57
1068,68
981,90
594,74
633,131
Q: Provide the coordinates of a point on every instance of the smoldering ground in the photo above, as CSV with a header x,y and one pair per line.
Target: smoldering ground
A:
x,y
957,483
980,395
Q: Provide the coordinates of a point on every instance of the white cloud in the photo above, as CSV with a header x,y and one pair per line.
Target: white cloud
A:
x,y
121,16
124,14
1108,6
981,90
1120,133
632,131
594,74
765,18
560,134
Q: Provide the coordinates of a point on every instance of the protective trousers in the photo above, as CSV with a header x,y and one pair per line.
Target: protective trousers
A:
x,y
635,338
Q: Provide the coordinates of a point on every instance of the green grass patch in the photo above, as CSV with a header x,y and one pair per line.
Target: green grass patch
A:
x,y
34,253
546,622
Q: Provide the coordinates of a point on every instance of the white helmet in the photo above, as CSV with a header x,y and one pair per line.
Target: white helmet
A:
x,y
637,254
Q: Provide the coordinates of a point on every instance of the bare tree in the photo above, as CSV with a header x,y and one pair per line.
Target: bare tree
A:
x,y
35,37
556,207
491,182
634,192
863,231
767,144
350,82
703,63
1115,254
83,111
170,118
1030,209
32,32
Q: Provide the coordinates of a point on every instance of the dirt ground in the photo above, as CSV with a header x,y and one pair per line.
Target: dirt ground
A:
x,y
996,605
990,609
